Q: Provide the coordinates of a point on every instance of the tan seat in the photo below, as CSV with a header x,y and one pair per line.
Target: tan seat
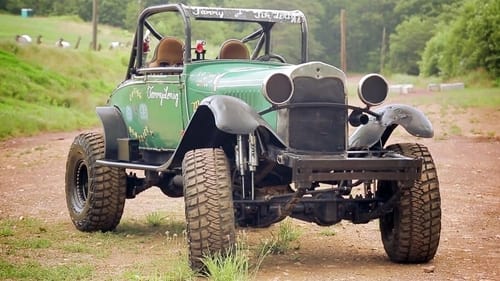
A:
x,y
169,52
234,49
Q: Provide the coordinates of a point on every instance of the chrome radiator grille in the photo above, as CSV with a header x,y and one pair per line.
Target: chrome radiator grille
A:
x,y
315,128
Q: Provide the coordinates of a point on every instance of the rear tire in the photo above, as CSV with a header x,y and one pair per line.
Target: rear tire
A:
x,y
208,204
95,195
410,233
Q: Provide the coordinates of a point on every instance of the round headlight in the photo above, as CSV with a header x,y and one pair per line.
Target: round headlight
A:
x,y
373,89
278,88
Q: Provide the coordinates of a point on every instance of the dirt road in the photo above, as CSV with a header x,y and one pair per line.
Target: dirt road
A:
x,y
32,185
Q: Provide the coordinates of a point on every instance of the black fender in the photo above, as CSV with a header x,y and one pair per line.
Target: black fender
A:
x,y
378,130
216,122
114,128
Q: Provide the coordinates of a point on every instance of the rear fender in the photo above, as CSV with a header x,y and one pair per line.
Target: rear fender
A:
x,y
114,128
378,130
215,123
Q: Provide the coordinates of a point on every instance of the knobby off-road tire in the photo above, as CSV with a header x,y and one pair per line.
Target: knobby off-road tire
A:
x,y
95,195
410,233
208,204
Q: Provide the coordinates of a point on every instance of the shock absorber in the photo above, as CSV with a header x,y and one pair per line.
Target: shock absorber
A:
x,y
246,161
241,162
252,161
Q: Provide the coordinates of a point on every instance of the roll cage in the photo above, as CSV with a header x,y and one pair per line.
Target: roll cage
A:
x,y
265,18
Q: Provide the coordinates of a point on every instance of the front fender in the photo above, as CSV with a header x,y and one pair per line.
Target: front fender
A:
x,y
379,129
233,115
216,120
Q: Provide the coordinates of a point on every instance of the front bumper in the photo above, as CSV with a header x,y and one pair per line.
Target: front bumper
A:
x,y
355,165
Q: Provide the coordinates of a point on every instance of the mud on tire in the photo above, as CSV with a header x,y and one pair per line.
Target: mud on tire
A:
x,y
208,204
410,233
95,195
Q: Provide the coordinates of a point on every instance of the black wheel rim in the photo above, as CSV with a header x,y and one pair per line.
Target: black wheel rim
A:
x,y
81,191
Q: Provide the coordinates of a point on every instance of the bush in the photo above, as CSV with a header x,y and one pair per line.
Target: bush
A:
x,y
468,42
407,44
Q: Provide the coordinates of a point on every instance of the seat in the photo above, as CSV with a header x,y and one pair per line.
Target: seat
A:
x,y
234,49
168,52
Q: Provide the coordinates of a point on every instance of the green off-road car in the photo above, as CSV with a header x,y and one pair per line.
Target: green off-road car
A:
x,y
249,137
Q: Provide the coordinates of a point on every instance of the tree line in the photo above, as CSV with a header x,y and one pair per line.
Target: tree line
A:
x,y
441,37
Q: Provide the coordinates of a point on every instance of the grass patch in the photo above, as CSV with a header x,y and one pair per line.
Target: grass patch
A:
x,y
327,232
44,98
154,218
175,270
238,264
52,28
417,81
6,229
458,100
48,251
233,265
455,130
281,242
32,270
44,88
155,223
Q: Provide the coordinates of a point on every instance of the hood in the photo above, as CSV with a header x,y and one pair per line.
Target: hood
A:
x,y
249,77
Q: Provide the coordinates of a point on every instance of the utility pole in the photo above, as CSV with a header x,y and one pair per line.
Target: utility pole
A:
x,y
382,51
343,55
95,18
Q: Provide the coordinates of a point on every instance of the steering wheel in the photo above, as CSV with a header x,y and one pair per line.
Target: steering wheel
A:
x,y
268,57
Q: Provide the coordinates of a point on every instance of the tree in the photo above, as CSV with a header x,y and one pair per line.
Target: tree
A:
x,y
471,41
424,8
40,7
408,42
366,20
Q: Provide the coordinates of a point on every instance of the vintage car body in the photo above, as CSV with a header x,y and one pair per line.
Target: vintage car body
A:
x,y
250,141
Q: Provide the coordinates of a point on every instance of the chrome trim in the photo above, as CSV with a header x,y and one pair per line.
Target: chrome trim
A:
x,y
266,94
363,81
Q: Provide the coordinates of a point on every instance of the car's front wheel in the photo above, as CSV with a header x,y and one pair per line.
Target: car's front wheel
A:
x,y
95,195
208,204
411,231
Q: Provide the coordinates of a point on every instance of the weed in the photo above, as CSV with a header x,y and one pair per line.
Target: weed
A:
x,y
474,120
175,228
327,232
154,218
475,131
32,243
180,270
6,231
6,228
232,265
237,264
281,243
78,248
455,130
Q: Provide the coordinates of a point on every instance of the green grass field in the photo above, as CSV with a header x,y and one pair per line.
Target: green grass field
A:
x,y
44,88
53,28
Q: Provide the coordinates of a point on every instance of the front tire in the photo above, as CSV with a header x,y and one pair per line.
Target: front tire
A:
x,y
208,204
95,195
410,233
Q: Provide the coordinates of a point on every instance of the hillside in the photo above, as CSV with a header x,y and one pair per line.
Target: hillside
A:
x,y
45,88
